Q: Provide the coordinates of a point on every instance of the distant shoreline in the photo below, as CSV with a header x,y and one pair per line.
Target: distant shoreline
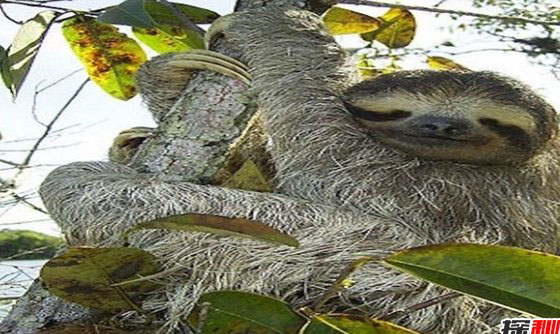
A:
x,y
27,245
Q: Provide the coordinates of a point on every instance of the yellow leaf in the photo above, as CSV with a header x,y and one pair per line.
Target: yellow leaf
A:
x,y
366,67
248,177
396,31
444,64
340,21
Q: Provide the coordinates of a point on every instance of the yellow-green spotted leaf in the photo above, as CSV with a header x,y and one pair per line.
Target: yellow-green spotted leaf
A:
x,y
347,324
238,227
444,64
516,278
168,38
87,276
248,177
340,21
227,312
110,58
23,50
396,31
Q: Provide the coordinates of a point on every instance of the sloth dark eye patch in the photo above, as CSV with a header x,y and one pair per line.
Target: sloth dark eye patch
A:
x,y
515,135
376,116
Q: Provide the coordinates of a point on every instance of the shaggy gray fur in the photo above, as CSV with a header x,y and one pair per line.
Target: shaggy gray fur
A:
x,y
343,195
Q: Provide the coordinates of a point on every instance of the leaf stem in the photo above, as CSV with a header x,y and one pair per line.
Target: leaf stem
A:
x,y
185,21
419,306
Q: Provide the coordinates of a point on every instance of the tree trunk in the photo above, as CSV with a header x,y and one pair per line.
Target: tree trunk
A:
x,y
189,146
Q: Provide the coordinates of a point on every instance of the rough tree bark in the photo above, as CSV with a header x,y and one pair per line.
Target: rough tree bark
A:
x,y
189,146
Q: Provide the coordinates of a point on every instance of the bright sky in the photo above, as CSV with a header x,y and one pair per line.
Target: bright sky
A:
x,y
94,118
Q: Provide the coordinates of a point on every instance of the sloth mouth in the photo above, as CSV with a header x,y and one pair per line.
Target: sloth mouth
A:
x,y
437,139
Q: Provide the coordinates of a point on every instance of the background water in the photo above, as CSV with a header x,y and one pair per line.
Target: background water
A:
x,y
15,277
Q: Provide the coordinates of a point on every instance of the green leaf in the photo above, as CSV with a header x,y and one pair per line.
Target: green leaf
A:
x,y
110,58
128,13
516,278
248,177
103,328
149,13
226,312
162,15
168,38
157,26
87,276
341,21
24,48
347,324
5,68
239,227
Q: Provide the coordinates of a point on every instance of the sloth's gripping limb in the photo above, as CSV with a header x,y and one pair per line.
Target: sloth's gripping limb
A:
x,y
213,61
163,79
126,143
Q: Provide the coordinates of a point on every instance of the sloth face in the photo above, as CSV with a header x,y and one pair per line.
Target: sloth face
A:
x,y
476,117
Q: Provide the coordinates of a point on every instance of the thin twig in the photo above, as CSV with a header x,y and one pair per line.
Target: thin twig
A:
x,y
11,163
458,53
439,3
40,90
31,251
23,222
49,127
340,283
448,11
30,166
57,81
185,21
9,298
38,5
23,200
8,16
419,306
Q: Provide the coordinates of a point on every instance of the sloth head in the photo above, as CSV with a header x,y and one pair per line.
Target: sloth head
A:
x,y
478,118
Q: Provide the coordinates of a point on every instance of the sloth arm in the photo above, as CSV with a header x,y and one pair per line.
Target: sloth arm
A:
x,y
299,73
93,202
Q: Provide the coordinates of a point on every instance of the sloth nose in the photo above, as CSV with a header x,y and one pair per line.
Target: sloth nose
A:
x,y
439,126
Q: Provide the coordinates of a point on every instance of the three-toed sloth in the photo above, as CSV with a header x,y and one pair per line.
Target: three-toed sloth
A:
x,y
402,160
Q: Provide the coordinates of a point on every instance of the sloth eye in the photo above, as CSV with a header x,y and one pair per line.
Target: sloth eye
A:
x,y
515,135
375,116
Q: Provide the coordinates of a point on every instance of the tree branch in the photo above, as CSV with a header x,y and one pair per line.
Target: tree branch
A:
x,y
448,11
37,5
